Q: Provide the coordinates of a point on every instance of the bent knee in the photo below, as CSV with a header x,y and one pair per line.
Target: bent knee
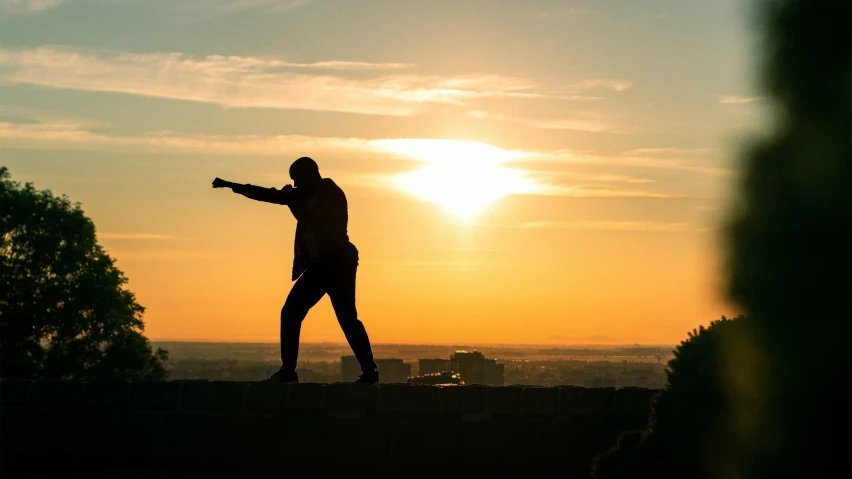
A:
x,y
293,313
348,319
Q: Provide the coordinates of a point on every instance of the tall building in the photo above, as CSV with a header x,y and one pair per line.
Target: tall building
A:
x,y
517,376
599,382
390,370
393,370
445,378
494,374
349,369
432,366
470,365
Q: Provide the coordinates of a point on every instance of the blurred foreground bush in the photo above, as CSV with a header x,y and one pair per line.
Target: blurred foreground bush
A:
x,y
688,417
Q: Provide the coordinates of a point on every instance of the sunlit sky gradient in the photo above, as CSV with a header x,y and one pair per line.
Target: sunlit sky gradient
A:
x,y
517,172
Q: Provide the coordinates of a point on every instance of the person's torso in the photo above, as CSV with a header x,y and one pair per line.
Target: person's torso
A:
x,y
321,232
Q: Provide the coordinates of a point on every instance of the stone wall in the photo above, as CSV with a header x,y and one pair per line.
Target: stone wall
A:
x,y
242,429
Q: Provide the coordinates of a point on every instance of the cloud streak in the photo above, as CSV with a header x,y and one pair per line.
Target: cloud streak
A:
x,y
650,226
140,236
590,192
252,82
160,256
737,100
594,122
27,6
692,160
233,81
69,136
72,136
232,6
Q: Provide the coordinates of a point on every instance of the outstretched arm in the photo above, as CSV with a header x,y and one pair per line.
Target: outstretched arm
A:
x,y
269,195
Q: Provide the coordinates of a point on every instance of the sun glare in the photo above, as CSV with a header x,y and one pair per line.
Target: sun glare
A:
x,y
464,177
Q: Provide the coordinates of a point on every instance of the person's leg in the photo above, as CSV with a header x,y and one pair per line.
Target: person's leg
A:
x,y
341,291
307,291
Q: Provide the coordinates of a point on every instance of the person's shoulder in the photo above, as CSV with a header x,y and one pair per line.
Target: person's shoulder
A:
x,y
329,185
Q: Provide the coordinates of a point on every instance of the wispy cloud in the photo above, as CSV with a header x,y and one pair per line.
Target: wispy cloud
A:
x,y
32,115
234,81
242,5
614,192
670,152
695,160
141,236
591,121
602,83
344,65
571,184
436,266
199,7
67,136
160,256
72,136
733,99
27,6
611,226
194,10
604,177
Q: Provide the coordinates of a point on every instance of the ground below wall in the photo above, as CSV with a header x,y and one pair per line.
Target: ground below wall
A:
x,y
240,429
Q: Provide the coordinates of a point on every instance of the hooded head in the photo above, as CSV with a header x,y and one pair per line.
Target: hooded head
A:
x,y
305,174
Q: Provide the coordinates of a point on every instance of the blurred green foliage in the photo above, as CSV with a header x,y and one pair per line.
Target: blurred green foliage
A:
x,y
771,395
790,267
689,416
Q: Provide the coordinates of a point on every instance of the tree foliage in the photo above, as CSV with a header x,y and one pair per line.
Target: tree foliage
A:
x,y
791,253
64,311
689,416
770,396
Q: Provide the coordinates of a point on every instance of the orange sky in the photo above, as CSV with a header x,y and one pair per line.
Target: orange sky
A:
x,y
536,172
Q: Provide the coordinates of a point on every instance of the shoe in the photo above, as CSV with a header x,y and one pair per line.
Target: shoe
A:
x,y
370,378
284,377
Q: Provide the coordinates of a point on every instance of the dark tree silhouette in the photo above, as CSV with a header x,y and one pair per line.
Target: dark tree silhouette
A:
x,y
773,396
690,417
64,313
791,262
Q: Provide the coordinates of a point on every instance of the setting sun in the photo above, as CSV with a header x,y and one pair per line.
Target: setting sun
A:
x,y
464,177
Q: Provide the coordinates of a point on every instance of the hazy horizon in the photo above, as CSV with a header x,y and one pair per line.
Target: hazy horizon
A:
x,y
375,343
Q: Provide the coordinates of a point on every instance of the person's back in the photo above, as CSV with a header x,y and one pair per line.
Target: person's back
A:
x,y
323,220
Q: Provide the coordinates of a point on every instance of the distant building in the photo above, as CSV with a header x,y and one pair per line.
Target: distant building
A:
x,y
393,370
599,382
308,376
264,372
349,369
494,373
572,377
431,366
470,365
445,378
517,376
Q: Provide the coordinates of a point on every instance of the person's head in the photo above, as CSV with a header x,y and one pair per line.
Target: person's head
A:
x,y
305,173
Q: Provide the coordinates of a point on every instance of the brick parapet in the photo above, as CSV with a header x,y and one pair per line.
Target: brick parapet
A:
x,y
196,424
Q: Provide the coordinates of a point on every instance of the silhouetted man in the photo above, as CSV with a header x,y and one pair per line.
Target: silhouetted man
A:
x,y
324,262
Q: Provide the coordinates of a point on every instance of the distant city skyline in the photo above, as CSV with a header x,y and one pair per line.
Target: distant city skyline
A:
x,y
435,344
329,363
